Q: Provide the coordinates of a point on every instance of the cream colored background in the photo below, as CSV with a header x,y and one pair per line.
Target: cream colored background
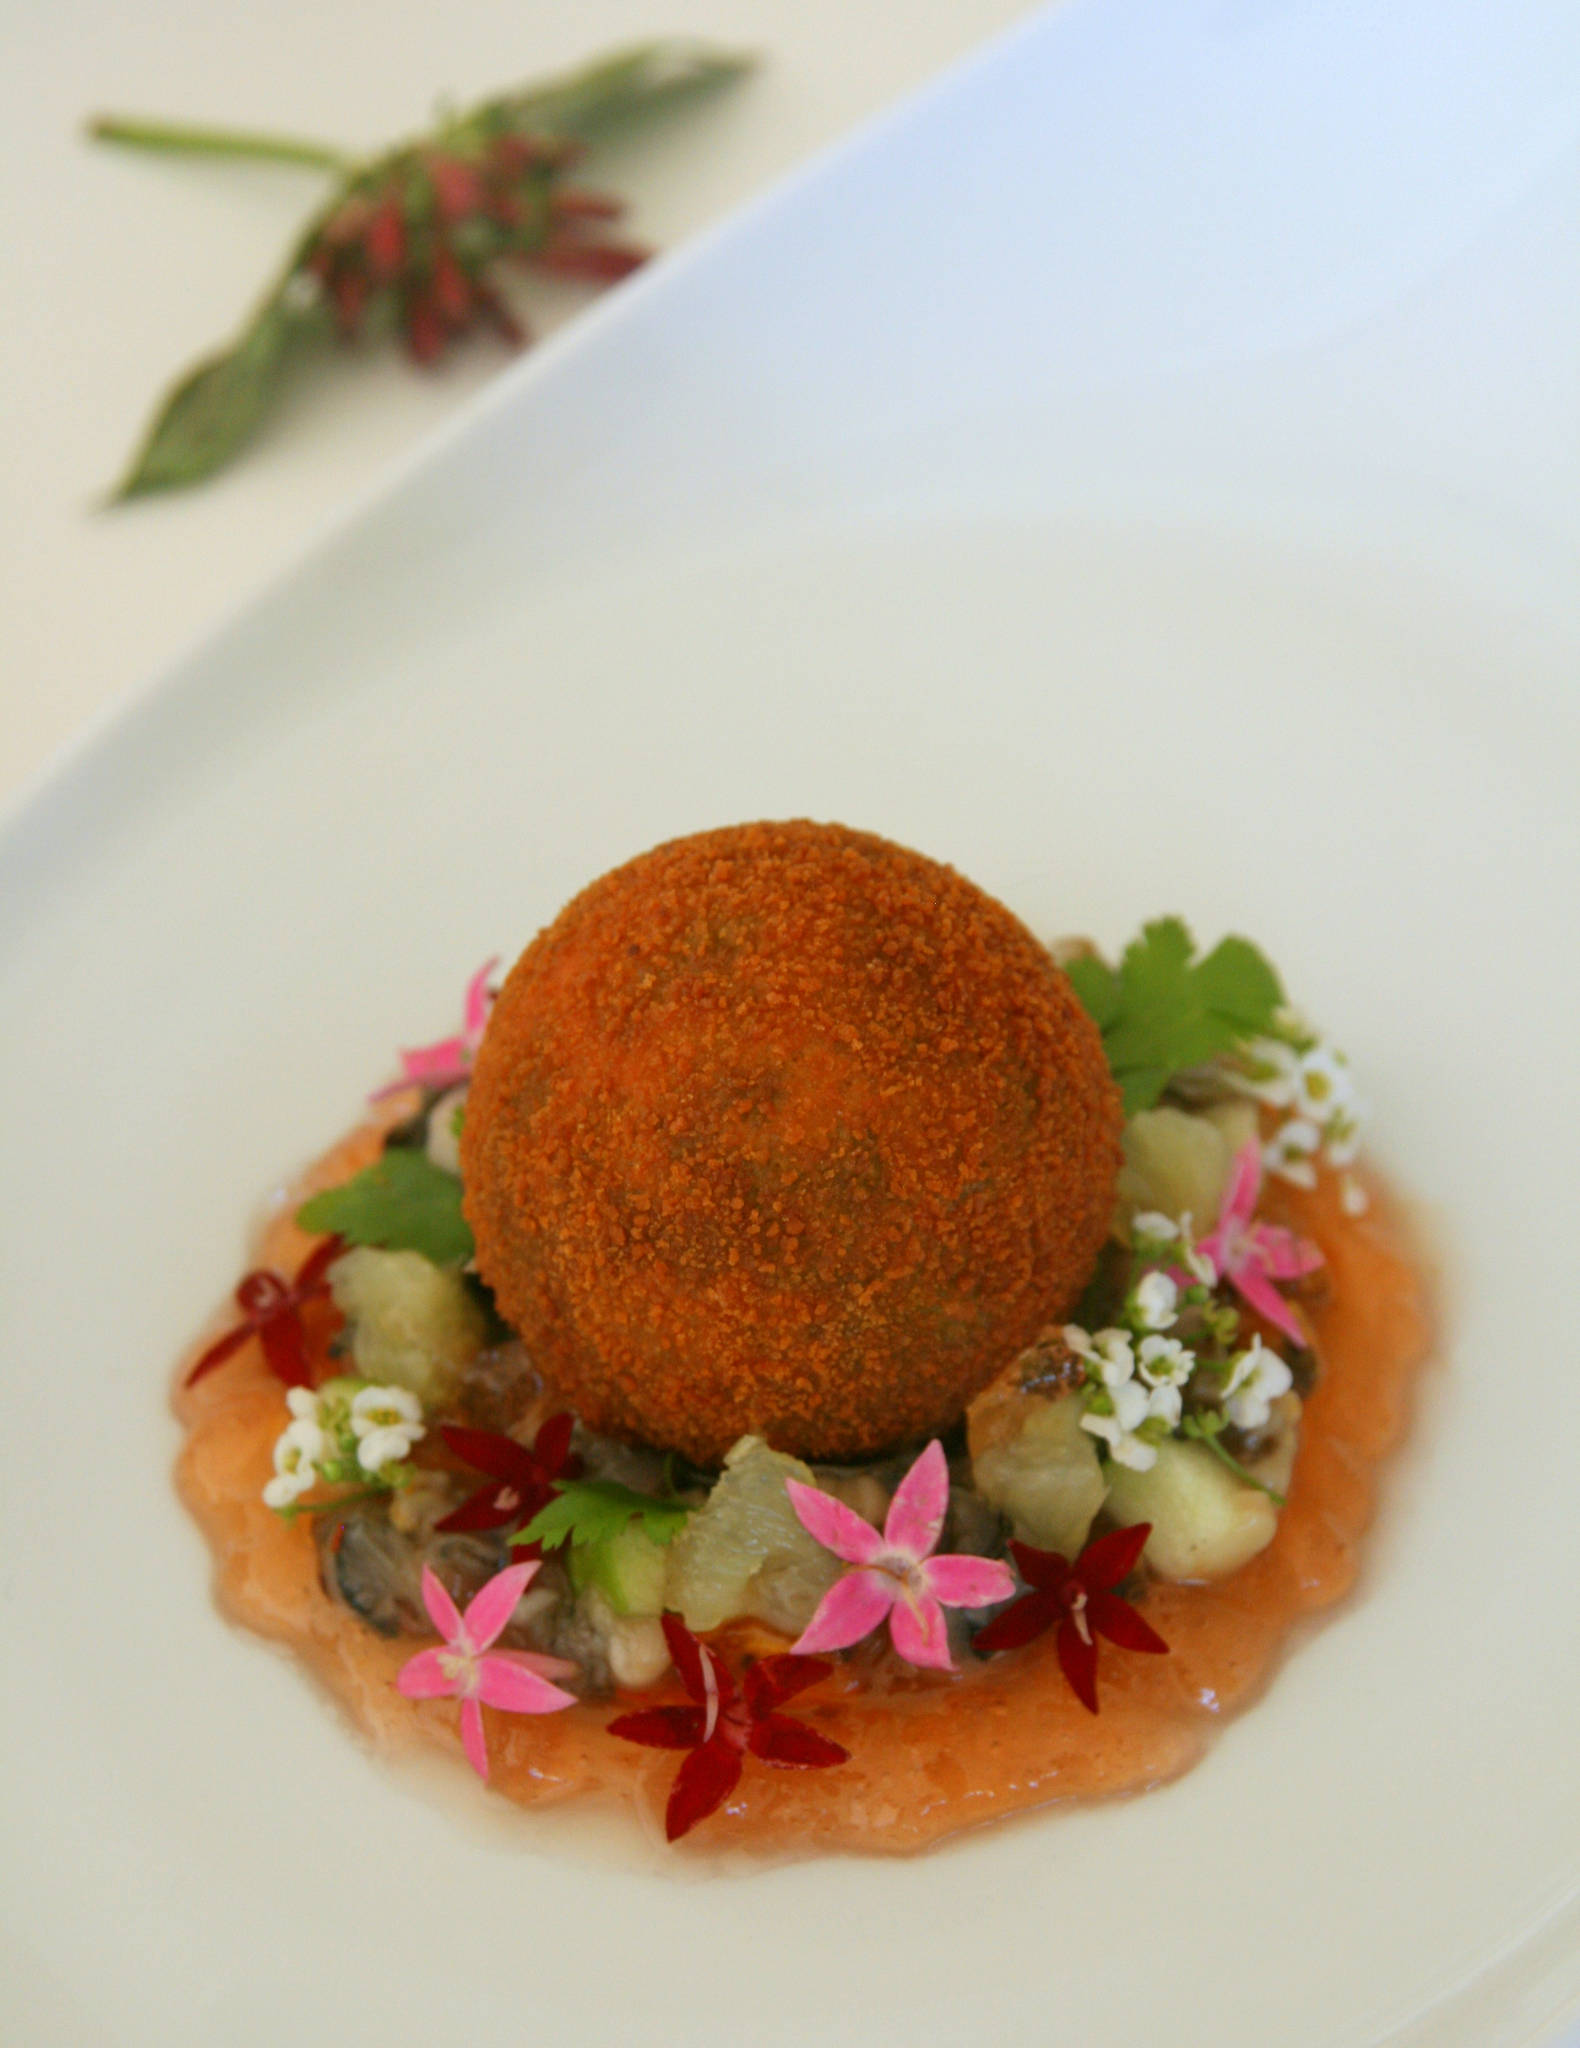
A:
x,y
120,268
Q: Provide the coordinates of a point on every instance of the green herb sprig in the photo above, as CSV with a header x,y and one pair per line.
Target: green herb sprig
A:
x,y
402,1202
1163,1011
411,238
592,1511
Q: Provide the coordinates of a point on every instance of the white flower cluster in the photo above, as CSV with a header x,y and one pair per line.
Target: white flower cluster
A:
x,y
1309,1083
386,1422
299,1452
335,1438
1139,1373
1143,1383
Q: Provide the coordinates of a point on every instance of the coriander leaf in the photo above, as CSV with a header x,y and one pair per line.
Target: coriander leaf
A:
x,y
1236,982
593,1510
217,406
402,1202
1097,985
1163,1011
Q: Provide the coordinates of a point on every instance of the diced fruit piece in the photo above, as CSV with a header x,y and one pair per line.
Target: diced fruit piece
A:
x,y
1046,1477
1237,1120
632,1646
638,1653
745,1553
413,1324
1178,1164
443,1142
627,1569
1206,1523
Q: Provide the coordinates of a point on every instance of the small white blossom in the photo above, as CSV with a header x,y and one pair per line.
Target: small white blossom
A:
x,y
1290,1151
1200,1266
1323,1087
1152,1223
1167,1402
303,1403
386,1421
1157,1301
1260,1377
1165,1362
1109,1352
1132,1405
296,1457
1196,1263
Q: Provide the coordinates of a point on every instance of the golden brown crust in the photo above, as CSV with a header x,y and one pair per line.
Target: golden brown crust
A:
x,y
785,1128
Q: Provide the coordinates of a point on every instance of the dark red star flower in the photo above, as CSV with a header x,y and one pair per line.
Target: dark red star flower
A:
x,y
1081,1600
521,1481
272,1307
431,227
725,1723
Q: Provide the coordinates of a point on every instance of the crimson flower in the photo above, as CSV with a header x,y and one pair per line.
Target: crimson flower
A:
x,y
1080,1598
427,232
272,1308
724,1723
521,1480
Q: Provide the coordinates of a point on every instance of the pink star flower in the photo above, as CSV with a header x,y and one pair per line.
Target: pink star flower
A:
x,y
1250,1255
467,1668
449,1062
896,1575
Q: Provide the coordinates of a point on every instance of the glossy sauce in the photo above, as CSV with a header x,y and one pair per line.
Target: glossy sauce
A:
x,y
930,1753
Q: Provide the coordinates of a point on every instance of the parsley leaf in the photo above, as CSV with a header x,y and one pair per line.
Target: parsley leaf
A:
x,y
1162,1011
402,1202
594,1510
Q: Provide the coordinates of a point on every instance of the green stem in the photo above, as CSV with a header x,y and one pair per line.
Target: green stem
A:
x,y
327,1507
171,138
1209,1438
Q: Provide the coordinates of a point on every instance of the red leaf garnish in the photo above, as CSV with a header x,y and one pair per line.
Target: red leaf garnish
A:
x,y
590,262
271,1308
1080,1602
725,1722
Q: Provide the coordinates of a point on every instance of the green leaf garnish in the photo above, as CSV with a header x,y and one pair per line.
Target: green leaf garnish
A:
x,y
1162,1011
595,1510
402,1202
218,405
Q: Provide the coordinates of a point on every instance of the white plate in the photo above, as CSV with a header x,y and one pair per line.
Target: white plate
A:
x,y
1145,474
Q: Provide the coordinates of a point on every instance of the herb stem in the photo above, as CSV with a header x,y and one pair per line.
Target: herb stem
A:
x,y
1209,1439
173,138
327,1507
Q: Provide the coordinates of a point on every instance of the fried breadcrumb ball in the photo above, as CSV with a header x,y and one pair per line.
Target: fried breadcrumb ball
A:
x,y
785,1129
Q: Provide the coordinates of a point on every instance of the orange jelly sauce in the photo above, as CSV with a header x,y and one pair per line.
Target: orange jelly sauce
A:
x,y
930,1753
